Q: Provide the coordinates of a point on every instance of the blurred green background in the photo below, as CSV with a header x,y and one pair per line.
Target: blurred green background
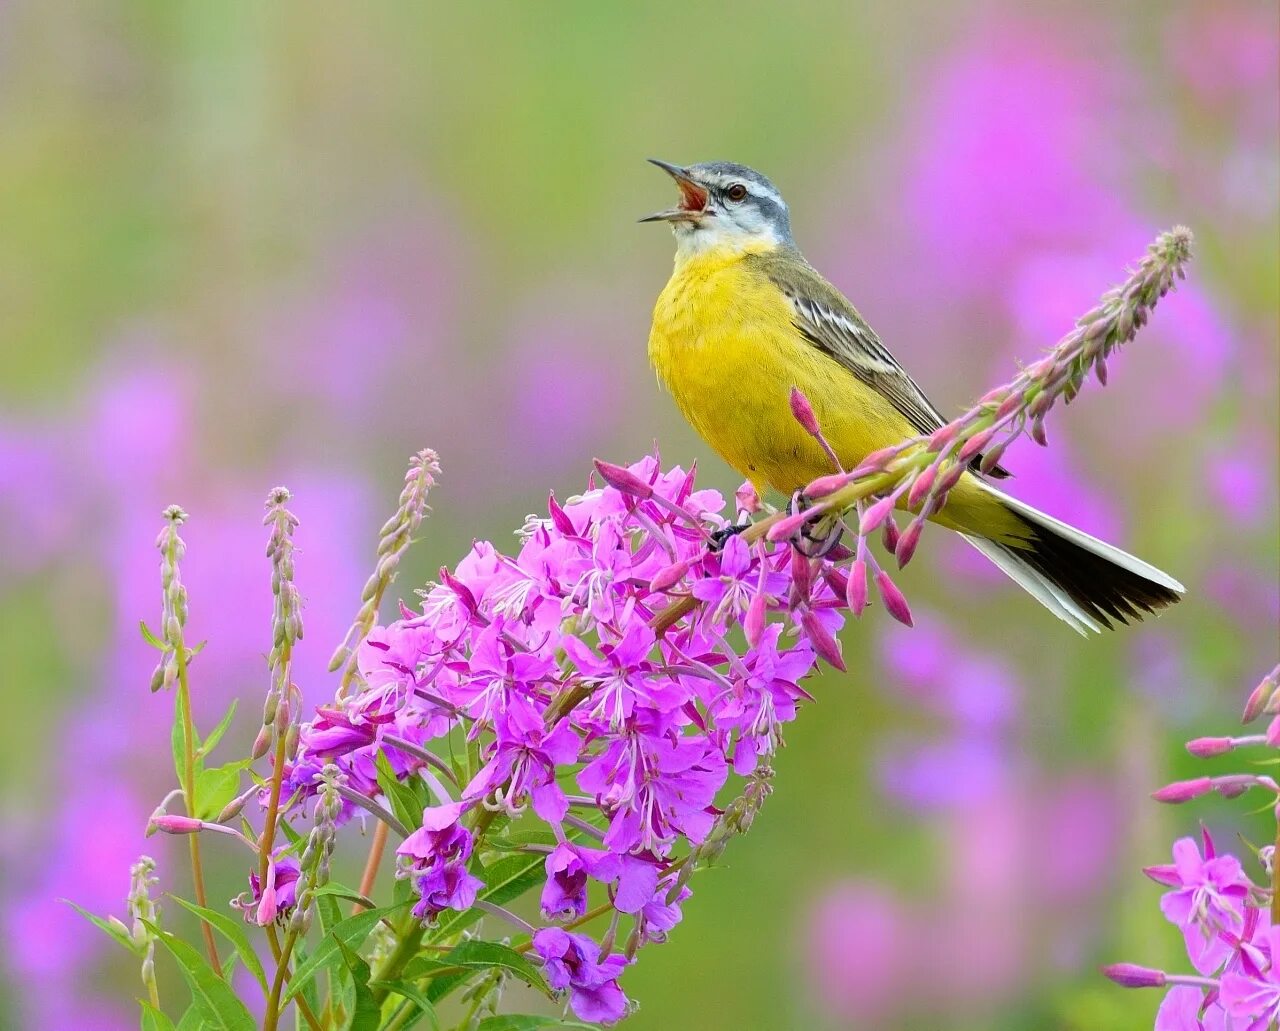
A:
x,y
246,243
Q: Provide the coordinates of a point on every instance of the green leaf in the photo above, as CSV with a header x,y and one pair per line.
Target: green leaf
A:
x,y
216,787
367,1014
217,1004
231,929
343,892
151,638
310,991
527,1022
118,934
154,1019
215,735
475,955
190,1020
178,742
414,994
404,803
350,932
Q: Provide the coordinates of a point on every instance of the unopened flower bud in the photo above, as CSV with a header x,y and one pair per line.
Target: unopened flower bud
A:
x,y
908,541
1183,790
623,480
921,486
666,578
856,594
171,824
825,485
262,743
802,411
889,535
823,642
786,527
876,514
1207,747
1130,975
894,602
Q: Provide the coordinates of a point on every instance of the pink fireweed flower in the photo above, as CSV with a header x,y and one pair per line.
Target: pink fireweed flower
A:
x,y
1209,896
1252,998
525,761
435,856
572,962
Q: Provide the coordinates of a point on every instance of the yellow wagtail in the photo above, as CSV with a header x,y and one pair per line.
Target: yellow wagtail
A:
x,y
745,318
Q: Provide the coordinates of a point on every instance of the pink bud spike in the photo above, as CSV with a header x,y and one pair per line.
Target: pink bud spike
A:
x,y
803,412
889,535
1130,975
1183,790
559,517
1207,747
623,480
894,602
753,622
907,543
856,594
786,527
177,824
875,515
940,438
823,643
666,578
921,487
825,485
975,445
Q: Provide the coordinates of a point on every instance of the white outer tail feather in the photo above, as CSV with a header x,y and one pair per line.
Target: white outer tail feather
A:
x,y
1046,593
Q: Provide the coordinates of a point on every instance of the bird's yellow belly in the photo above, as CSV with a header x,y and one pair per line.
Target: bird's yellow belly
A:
x,y
724,344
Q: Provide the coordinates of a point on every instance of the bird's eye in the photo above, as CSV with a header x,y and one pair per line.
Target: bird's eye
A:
x,y
736,192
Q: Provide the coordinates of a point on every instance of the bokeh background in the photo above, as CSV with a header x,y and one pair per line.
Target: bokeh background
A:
x,y
243,244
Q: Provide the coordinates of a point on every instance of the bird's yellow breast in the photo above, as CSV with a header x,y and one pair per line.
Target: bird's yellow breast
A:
x,y
724,343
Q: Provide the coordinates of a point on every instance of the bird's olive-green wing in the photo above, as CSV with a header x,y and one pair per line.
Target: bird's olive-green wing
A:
x,y
828,321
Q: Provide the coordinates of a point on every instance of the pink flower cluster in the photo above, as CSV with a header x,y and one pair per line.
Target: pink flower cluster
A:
x,y
1226,918
553,671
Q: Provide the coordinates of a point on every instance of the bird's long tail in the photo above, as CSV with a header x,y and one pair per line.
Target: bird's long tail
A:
x,y
1083,581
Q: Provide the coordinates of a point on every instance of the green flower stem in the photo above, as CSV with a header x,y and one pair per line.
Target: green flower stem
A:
x,y
189,791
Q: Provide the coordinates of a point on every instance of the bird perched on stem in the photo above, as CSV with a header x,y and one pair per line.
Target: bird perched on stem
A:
x,y
745,320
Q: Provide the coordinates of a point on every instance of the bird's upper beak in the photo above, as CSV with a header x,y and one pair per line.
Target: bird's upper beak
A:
x,y
693,197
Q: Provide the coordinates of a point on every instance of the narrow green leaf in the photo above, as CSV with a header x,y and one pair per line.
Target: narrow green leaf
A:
x,y
414,994
477,953
350,932
219,1008
117,934
151,638
528,1022
343,892
367,1014
215,735
404,803
474,955
154,1019
178,742
216,787
233,930
191,1020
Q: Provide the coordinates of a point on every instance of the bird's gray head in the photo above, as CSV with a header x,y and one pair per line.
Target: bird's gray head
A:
x,y
724,205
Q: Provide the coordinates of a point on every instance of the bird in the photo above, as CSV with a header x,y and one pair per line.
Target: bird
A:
x,y
745,319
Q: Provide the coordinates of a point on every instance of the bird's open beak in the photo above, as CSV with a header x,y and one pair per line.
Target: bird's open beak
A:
x,y
693,198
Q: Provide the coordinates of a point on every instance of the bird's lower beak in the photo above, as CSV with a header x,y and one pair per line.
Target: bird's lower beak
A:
x,y
693,198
